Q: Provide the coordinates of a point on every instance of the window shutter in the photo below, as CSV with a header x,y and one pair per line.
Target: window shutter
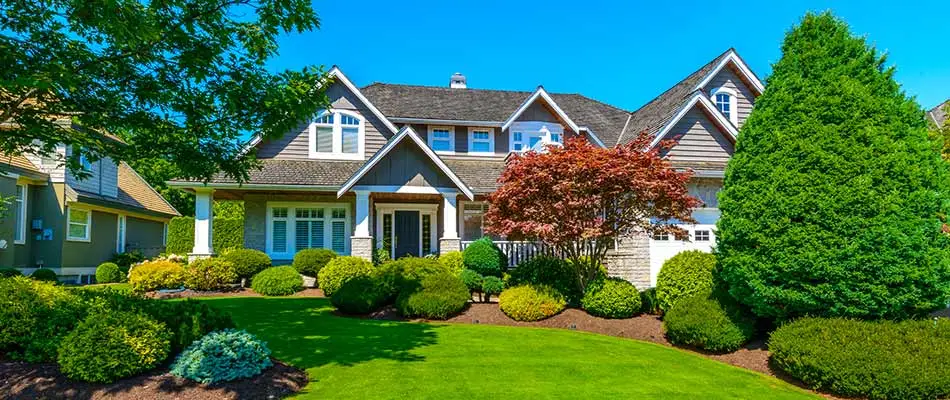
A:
x,y
339,236
350,140
280,236
302,235
324,139
316,234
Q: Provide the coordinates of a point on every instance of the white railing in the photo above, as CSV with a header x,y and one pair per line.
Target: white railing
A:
x,y
518,251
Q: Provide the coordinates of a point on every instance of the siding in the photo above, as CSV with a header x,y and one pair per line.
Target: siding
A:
x,y
100,248
104,179
144,235
538,111
744,96
408,165
56,173
699,141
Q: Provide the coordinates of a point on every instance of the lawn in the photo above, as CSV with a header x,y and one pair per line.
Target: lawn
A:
x,y
350,358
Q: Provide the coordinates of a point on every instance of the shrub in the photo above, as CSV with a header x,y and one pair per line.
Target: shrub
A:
x,y
492,285
484,257
247,262
531,302
227,233
650,305
472,280
709,320
209,274
453,261
611,298
223,356
129,258
341,269
108,272
9,272
873,359
34,317
45,275
684,274
309,262
360,295
277,281
154,275
406,273
438,296
114,345
381,256
550,271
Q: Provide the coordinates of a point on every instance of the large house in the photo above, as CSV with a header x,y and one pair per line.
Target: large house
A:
x,y
938,114
408,168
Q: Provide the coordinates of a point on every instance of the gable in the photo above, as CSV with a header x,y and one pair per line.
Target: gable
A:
x,y
699,142
728,78
538,112
406,165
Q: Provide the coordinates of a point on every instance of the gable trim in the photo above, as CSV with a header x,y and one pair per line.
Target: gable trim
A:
x,y
335,72
404,133
698,99
540,92
744,69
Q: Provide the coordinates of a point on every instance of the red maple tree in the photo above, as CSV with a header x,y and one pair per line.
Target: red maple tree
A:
x,y
581,198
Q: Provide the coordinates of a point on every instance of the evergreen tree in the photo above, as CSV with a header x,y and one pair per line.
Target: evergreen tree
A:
x,y
832,203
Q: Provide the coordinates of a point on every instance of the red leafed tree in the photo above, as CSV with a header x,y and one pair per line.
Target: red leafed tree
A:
x,y
580,198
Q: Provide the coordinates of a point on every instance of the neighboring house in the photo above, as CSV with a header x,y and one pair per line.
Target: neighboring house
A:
x,y
69,225
938,115
408,168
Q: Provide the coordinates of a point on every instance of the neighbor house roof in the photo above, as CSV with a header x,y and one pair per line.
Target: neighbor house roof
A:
x,y
21,165
938,114
134,194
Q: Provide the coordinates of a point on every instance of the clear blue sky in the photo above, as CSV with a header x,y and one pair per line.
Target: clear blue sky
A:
x,y
621,53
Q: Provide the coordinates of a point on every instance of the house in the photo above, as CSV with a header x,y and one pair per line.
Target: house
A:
x,y
55,220
408,168
938,114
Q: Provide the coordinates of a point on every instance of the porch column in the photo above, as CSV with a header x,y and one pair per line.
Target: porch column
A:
x,y
203,221
450,237
361,244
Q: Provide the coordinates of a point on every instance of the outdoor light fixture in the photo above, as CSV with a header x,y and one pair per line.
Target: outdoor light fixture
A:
x,y
573,326
475,321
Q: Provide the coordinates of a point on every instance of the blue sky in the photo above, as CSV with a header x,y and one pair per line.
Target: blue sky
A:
x,y
621,53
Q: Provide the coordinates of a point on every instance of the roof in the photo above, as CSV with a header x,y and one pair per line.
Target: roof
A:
x,y
134,194
331,173
938,114
481,174
21,165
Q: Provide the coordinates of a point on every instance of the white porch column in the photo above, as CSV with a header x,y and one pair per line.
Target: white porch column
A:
x,y
450,236
361,244
203,221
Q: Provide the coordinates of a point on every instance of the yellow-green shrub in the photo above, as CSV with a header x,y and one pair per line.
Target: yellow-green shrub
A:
x,y
209,274
531,302
154,275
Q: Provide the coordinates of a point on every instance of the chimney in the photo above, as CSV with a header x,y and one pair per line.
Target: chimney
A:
x,y
457,81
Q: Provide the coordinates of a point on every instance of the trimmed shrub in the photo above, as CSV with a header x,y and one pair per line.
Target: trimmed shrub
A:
x,y
277,281
7,272
611,298
438,296
108,272
531,302
873,359
686,273
209,274
128,258
381,256
34,317
650,305
114,345
484,257
453,261
360,295
154,275
492,285
309,262
223,356
406,273
247,262
45,275
550,271
472,280
341,269
227,233
709,321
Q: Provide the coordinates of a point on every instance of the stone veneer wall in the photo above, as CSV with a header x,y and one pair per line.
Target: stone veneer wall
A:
x,y
631,260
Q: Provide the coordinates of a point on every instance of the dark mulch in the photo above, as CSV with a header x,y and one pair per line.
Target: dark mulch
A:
x,y
20,380
245,292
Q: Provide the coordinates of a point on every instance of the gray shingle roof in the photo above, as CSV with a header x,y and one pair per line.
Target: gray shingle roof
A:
x,y
938,114
481,175
297,172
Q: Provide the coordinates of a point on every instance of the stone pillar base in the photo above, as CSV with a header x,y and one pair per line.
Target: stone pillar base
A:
x,y
362,246
198,256
447,245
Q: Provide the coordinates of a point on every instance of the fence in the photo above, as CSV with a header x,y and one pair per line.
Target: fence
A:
x,y
519,251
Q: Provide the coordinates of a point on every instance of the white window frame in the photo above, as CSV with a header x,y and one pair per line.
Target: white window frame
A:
x,y
432,210
472,140
121,228
164,233
88,234
707,233
19,235
528,129
461,219
430,138
733,103
292,223
337,137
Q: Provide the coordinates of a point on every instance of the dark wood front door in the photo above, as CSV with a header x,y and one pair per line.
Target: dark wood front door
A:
x,y
407,233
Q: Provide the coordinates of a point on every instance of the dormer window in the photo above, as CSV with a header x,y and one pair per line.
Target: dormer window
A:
x,y
442,139
725,100
481,140
532,135
337,134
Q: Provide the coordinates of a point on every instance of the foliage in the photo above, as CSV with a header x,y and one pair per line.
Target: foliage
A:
x,y
179,80
531,302
34,317
438,296
832,204
941,134
684,274
9,272
181,235
341,269
550,271
360,295
113,345
127,259
407,273
209,274
154,275
709,320
381,256
277,281
309,262
566,209
453,261
45,275
872,359
108,272
649,302
226,234
223,356
472,280
611,298
247,262
228,209
492,286
484,257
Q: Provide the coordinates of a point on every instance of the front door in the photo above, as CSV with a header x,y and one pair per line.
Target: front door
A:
x,y
407,233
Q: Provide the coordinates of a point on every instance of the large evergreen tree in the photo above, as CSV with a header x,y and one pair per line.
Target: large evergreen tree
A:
x,y
833,202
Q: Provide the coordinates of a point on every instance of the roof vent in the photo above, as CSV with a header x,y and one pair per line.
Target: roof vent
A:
x,y
457,81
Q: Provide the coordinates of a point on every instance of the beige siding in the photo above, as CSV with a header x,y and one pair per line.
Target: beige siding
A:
x,y
745,97
698,140
56,173
406,165
538,111
293,145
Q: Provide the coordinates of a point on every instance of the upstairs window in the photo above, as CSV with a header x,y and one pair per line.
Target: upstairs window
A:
x,y
725,100
337,134
531,135
481,140
442,139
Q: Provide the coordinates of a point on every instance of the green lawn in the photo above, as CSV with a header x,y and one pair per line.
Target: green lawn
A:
x,y
365,359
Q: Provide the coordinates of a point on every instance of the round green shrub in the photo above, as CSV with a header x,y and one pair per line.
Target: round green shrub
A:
x,y
108,272
492,286
872,359
531,302
277,281
684,274
247,262
550,271
484,257
45,275
309,262
7,272
406,273
154,275
452,261
35,316
438,296
223,356
341,269
611,298
209,274
472,280
649,303
360,295
111,346
709,321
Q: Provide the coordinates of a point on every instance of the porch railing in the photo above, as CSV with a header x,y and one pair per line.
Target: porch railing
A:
x,y
519,251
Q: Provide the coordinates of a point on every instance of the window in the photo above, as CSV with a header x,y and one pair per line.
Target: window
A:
x,y
120,235
442,139
19,225
725,100
481,140
292,228
337,134
701,235
79,224
426,234
472,220
531,135
663,236
165,234
309,228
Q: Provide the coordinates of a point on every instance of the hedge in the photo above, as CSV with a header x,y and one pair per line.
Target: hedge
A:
x,y
227,233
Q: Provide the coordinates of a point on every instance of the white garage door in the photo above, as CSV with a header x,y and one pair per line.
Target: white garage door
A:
x,y
702,236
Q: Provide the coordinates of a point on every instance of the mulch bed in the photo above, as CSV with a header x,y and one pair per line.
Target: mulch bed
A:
x,y
236,292
19,380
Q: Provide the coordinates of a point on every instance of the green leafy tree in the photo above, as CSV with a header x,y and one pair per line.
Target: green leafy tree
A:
x,y
833,200
186,79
